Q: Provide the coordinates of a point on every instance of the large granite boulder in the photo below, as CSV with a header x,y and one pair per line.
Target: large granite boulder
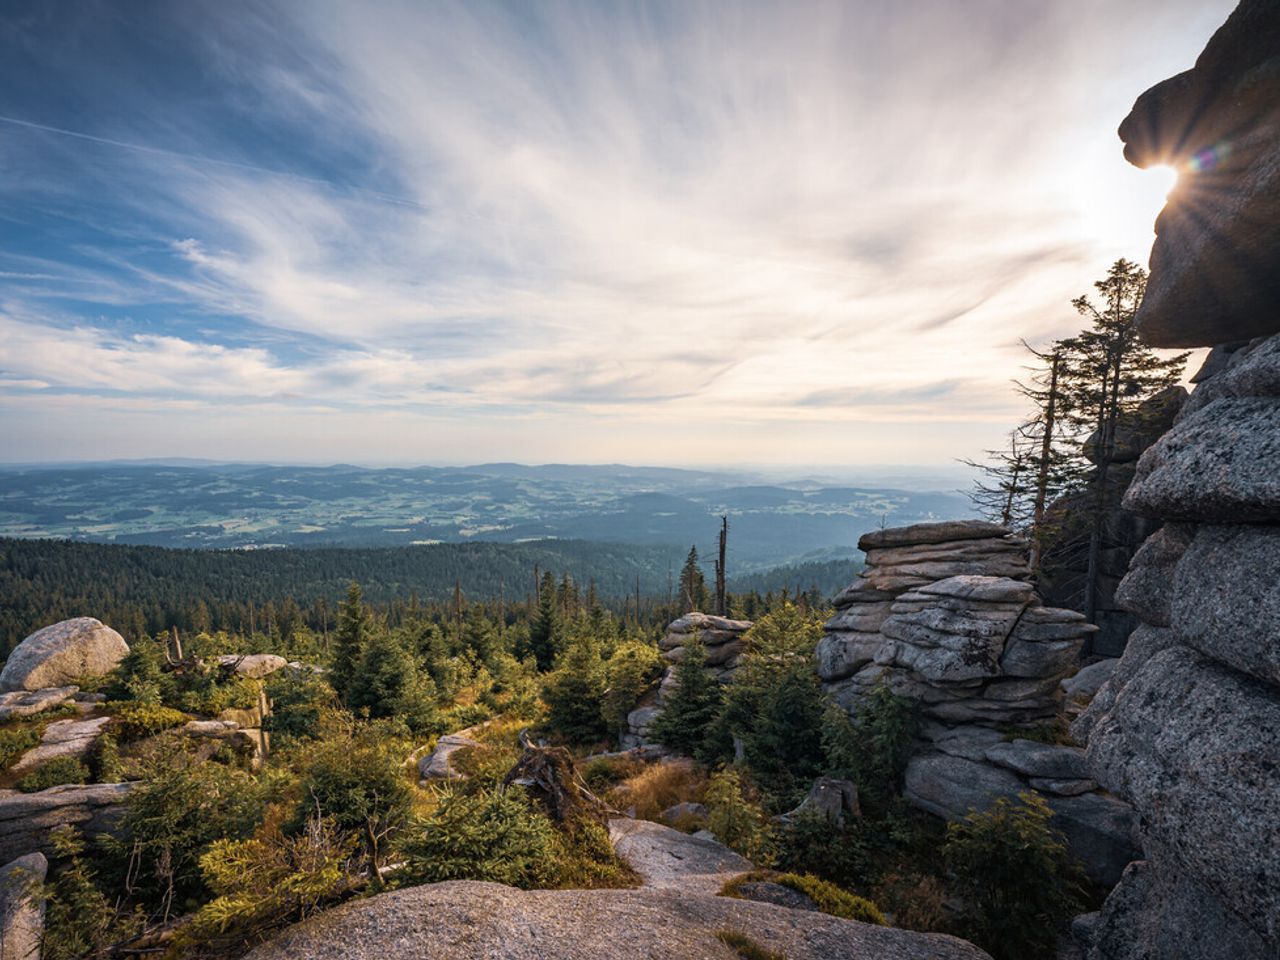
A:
x,y
1213,266
465,920
22,907
253,665
62,653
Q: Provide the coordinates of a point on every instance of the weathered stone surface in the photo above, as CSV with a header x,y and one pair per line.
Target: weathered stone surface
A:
x,y
686,810
1088,680
1063,788
860,618
922,533
27,818
1100,831
1034,759
22,908
704,623
975,588
62,738
1145,643
437,765
667,859
1150,916
255,665
1195,746
1147,589
640,718
860,591
466,920
1251,370
209,728
1022,658
61,654
834,799
27,703
1001,551
970,742
1215,466
764,891
841,655
1226,597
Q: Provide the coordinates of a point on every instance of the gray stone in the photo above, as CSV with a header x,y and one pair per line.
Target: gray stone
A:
x,y
1195,747
859,618
667,859
63,653
640,718
209,728
951,787
437,765
467,920
1226,597
1063,788
764,891
1213,276
834,799
62,738
970,742
1145,643
686,810
1253,370
22,908
922,533
1042,659
1149,916
1033,759
26,819
990,589
254,665
1099,829
1147,589
841,655
1001,551
860,591
1088,680
1215,466
27,703
700,623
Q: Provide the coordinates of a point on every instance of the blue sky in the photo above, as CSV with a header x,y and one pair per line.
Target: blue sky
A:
x,y
675,233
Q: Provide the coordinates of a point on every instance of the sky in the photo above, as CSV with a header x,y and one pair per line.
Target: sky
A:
x,y
669,232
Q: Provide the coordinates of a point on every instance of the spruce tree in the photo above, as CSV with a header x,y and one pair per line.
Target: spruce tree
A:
x,y
388,683
353,629
691,708
693,585
545,630
573,693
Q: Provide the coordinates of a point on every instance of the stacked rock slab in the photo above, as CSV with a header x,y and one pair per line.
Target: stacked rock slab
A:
x,y
944,614
1188,726
722,639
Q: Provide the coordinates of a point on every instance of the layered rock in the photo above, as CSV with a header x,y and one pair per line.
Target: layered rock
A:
x,y
22,907
1188,727
26,819
62,738
63,653
981,653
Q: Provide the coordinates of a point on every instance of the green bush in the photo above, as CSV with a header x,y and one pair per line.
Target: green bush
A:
x,y
55,772
207,696
873,749
629,673
139,677
79,919
689,712
745,947
736,821
134,721
811,843
388,683
16,741
573,693
493,835
1016,876
299,699
831,899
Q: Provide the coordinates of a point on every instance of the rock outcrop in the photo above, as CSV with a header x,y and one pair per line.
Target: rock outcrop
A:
x,y
467,920
945,614
26,819
62,738
22,907
667,859
63,653
254,665
1188,727
27,703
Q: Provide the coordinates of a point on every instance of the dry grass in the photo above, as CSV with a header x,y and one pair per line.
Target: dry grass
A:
x,y
657,787
915,901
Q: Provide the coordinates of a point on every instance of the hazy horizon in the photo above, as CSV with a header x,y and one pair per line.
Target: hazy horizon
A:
x,y
676,234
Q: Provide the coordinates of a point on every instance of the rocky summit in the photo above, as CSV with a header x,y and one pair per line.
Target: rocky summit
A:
x,y
1187,729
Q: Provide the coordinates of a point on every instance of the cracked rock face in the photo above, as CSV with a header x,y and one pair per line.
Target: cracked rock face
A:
x,y
61,654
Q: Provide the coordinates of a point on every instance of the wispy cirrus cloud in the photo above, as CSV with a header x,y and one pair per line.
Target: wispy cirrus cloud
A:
x,y
740,216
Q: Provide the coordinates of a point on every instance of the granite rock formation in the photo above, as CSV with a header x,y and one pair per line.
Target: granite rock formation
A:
x,y
26,819
1188,727
946,614
22,907
63,653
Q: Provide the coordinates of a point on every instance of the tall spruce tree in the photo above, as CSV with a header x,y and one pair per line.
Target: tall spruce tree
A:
x,y
693,585
546,629
690,710
353,629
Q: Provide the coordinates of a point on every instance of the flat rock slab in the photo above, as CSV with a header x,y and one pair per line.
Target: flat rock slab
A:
x,y
1032,759
437,765
465,920
63,653
668,859
62,738
27,818
921,533
27,703
254,665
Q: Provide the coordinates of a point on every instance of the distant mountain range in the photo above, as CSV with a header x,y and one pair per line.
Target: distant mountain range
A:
x,y
235,505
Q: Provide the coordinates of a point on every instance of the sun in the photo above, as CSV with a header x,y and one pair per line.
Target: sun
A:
x,y
1162,178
